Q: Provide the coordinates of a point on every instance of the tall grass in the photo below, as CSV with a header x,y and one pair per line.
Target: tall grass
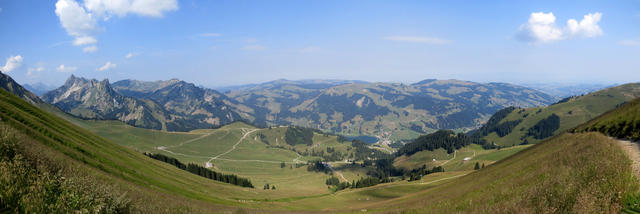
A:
x,y
571,173
30,183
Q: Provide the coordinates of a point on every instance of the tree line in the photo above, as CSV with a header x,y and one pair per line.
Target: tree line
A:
x,y
202,171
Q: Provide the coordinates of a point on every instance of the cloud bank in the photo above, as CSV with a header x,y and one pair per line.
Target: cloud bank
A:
x,y
541,28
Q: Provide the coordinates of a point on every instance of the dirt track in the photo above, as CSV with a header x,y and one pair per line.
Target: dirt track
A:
x,y
632,150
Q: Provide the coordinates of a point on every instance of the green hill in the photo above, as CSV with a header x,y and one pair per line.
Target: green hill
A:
x,y
622,122
76,156
515,126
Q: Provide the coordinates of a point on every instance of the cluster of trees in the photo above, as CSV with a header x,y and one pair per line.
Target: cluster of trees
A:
x,y
494,125
330,155
213,175
334,182
416,174
167,159
267,187
445,139
477,166
369,181
545,127
318,166
299,135
363,152
202,171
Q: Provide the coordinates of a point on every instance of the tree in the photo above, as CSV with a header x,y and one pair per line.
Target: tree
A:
x,y
477,166
273,187
282,165
483,165
266,186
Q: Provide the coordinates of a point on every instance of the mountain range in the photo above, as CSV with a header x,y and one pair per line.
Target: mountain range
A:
x,y
387,110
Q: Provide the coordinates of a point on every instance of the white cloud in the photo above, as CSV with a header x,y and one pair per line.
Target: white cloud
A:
x,y
34,72
630,42
107,66
209,34
63,68
84,40
587,27
77,21
152,8
12,63
254,47
90,49
541,28
418,39
130,55
81,21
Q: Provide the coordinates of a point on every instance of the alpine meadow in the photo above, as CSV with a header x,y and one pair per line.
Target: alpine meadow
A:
x,y
183,106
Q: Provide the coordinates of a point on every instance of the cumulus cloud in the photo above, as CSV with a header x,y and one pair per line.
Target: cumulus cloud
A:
x,y
63,68
107,66
90,49
81,21
587,27
418,39
12,63
541,28
76,21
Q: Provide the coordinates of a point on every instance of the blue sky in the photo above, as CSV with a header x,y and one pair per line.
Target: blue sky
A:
x,y
219,43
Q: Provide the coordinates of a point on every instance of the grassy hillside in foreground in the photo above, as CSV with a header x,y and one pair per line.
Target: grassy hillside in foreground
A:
x,y
582,173
622,122
151,185
571,112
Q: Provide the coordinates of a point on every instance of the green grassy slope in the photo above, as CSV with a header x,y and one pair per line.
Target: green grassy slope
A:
x,y
254,158
623,122
152,185
572,113
569,173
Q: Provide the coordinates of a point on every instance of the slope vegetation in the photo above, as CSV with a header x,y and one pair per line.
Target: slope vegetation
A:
x,y
517,125
152,186
622,122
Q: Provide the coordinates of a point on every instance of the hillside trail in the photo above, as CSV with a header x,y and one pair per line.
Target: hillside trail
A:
x,y
233,147
454,157
632,149
337,172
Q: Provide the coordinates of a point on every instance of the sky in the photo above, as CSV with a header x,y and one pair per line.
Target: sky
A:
x,y
220,43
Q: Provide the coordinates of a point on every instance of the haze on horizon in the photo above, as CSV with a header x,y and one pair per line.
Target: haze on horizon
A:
x,y
222,43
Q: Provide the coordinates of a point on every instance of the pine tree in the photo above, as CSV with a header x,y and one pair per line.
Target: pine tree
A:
x,y
273,187
477,166
282,165
483,165
266,186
